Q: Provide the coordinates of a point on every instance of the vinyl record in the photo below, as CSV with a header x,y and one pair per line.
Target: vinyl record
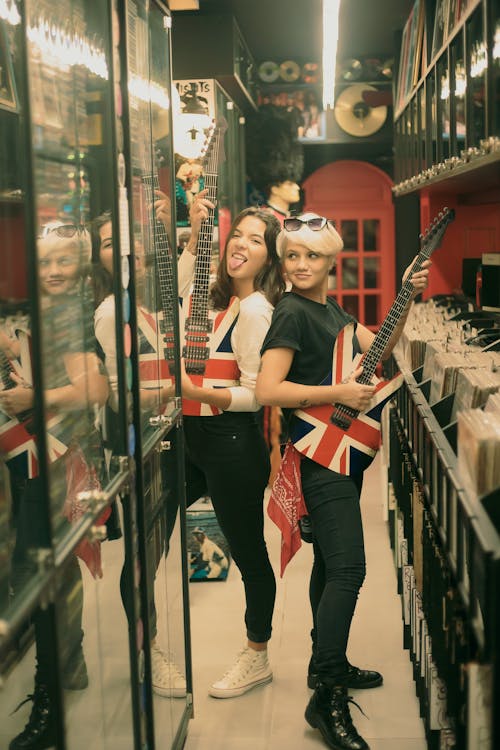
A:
x,y
310,72
354,116
289,71
268,71
351,70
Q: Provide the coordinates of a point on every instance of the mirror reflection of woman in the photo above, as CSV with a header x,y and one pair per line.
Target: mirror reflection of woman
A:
x,y
74,385
167,678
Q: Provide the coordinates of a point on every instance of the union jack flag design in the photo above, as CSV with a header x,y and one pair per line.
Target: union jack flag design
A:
x,y
18,444
154,371
221,368
346,451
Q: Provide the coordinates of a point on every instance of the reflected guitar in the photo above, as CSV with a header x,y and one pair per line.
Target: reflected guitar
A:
x,y
207,351
337,436
156,370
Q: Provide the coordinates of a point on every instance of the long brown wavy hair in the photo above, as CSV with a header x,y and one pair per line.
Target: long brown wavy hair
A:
x,y
269,280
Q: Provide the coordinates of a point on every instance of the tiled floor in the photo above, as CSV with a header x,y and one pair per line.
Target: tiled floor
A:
x,y
272,717
267,718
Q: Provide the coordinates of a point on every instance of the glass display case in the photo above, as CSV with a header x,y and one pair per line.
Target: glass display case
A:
x,y
93,583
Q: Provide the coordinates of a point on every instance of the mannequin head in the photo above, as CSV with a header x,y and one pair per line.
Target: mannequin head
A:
x,y
283,194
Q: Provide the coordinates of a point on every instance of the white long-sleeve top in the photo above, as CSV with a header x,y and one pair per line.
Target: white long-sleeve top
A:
x,y
246,339
104,325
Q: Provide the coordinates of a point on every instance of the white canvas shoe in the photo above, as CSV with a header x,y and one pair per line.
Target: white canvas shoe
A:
x,y
167,679
250,669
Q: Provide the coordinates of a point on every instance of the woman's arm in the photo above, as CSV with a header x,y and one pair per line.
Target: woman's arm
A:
x,y
88,384
273,389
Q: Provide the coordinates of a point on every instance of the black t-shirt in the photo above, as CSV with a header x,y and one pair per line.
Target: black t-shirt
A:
x,y
310,329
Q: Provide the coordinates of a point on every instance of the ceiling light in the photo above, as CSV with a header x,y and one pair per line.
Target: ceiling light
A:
x,y
331,10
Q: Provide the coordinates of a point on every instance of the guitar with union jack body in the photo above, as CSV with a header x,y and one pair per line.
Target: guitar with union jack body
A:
x,y
207,351
334,435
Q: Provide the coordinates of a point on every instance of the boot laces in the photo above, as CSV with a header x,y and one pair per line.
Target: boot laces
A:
x,y
29,697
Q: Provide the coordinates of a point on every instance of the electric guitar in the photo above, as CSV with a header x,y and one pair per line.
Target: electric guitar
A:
x,y
336,436
156,370
207,351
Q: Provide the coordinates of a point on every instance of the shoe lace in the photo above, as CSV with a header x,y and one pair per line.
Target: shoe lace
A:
x,y
350,699
29,697
241,666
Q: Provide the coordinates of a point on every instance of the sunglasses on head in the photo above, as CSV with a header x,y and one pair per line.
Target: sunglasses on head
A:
x,y
293,224
64,230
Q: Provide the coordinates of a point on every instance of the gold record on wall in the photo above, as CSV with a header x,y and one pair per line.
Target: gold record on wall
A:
x,y
356,117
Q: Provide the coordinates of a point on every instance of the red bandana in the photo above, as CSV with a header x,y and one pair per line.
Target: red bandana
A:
x,y
286,504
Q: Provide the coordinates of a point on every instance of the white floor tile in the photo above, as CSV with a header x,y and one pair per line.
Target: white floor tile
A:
x,y
272,717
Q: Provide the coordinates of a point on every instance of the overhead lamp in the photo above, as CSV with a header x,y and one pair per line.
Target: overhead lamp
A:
x,y
191,124
331,12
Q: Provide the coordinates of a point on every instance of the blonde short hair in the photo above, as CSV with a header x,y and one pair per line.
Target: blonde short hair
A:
x,y
79,245
326,241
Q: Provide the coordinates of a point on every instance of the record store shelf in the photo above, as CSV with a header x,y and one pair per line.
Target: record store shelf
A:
x,y
447,550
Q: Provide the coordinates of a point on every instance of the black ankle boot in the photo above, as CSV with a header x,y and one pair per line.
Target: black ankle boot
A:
x,y
40,731
328,711
359,679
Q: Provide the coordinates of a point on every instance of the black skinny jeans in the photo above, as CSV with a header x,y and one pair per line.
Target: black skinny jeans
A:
x,y
338,572
227,458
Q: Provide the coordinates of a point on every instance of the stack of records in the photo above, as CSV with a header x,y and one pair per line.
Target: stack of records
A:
x,y
474,387
479,450
447,365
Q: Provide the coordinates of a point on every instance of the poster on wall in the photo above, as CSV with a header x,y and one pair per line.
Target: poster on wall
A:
x,y
8,95
193,112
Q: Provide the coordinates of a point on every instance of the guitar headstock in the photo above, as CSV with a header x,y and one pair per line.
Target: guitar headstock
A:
x,y
433,235
213,148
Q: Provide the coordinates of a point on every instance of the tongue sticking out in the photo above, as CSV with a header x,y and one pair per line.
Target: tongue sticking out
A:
x,y
235,262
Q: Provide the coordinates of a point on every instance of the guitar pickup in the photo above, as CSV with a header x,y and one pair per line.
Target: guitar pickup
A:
x,y
195,353
339,420
199,326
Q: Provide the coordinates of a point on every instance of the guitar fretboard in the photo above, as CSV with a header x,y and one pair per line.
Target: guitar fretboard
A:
x,y
164,264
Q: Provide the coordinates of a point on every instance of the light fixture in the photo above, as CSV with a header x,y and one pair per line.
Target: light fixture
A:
x,y
192,124
331,11
9,12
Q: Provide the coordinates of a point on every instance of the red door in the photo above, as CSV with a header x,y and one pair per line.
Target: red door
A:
x,y
357,196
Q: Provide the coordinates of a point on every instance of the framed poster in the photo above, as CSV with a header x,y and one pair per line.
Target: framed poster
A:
x,y
8,94
440,26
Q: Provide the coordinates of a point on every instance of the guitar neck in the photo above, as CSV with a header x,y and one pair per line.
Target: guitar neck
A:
x,y
201,283
374,354
163,254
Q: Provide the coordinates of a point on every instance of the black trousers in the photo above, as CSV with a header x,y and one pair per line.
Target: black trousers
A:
x,y
227,458
31,533
338,571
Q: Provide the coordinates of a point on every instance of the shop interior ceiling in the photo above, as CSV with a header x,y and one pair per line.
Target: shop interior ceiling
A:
x,y
291,29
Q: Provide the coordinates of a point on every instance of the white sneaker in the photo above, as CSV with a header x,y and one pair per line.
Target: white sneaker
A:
x,y
250,669
168,680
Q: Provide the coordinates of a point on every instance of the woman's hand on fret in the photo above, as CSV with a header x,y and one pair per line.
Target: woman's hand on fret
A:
x,y
163,208
420,279
354,394
200,210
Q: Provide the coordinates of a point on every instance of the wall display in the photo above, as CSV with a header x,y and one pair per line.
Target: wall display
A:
x,y
354,115
440,26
